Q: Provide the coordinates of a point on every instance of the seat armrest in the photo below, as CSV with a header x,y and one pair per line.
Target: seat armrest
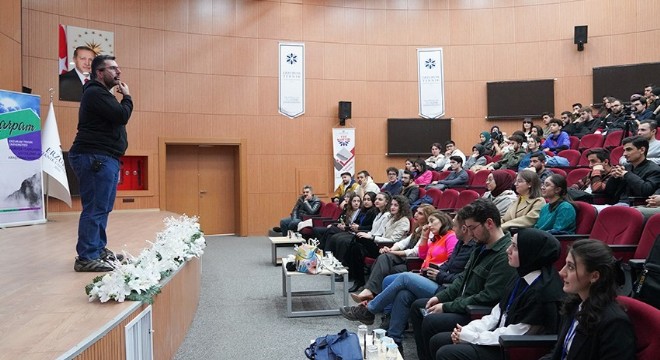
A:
x,y
572,237
509,341
414,263
478,311
637,264
623,248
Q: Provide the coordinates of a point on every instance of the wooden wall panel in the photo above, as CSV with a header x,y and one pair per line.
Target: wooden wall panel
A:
x,y
208,68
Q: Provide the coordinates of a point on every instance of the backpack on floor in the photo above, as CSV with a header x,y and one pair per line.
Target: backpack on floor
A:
x,y
647,287
342,346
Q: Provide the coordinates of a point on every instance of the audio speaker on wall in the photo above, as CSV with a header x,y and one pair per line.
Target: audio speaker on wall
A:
x,y
580,36
344,110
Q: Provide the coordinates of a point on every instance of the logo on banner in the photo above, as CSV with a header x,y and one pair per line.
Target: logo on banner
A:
x,y
291,59
430,63
343,140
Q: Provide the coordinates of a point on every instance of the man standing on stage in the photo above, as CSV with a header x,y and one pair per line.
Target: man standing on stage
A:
x,y
94,157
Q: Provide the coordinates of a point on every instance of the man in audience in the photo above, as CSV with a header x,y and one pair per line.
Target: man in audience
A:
x,y
640,112
533,146
347,184
307,204
648,129
653,100
584,124
618,120
537,163
558,140
639,178
511,159
457,177
596,181
566,117
366,183
576,110
482,282
450,150
546,117
393,184
409,189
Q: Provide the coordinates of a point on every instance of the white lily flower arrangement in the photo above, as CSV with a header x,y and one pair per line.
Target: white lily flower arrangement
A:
x,y
138,278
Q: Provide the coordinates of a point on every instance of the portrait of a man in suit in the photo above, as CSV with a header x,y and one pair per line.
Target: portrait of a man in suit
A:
x,y
71,82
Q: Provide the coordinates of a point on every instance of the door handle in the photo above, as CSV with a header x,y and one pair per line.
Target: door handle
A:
x,y
203,191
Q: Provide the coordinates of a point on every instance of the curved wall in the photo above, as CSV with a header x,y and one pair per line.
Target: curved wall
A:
x,y
208,68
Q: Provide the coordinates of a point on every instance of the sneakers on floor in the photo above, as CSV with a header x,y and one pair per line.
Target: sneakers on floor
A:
x,y
358,313
107,254
98,265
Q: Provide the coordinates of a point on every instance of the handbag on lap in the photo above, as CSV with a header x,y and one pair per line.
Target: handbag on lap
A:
x,y
342,346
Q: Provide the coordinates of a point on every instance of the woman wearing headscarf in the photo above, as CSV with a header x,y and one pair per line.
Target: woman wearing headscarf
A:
x,y
477,158
530,306
486,142
499,184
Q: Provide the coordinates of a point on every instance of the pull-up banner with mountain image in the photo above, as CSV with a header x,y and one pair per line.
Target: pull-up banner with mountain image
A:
x,y
21,195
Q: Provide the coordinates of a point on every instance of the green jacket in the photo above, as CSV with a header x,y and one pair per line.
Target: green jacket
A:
x,y
510,160
485,278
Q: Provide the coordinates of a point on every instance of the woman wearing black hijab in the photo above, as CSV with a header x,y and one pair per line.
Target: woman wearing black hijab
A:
x,y
530,306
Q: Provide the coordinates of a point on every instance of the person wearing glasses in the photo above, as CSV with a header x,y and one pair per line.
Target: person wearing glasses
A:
x,y
393,184
100,142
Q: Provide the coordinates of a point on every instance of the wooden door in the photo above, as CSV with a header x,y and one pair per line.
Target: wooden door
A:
x,y
201,180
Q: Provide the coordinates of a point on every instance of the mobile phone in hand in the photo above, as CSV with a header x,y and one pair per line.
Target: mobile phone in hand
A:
x,y
434,266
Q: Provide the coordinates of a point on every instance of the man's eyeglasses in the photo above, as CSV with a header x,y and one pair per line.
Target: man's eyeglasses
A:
x,y
472,227
392,174
113,68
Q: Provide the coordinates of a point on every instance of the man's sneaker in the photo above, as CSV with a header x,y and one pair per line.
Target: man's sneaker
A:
x,y
358,313
107,254
98,265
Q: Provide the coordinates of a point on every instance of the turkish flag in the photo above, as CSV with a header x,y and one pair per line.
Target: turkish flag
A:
x,y
63,60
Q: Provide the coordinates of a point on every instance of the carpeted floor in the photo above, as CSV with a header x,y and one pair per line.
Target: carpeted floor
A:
x,y
241,308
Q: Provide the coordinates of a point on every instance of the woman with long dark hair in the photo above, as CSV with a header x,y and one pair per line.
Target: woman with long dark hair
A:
x,y
530,306
338,243
424,175
524,212
594,326
558,215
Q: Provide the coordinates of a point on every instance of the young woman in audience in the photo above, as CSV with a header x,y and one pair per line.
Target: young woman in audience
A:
x,y
530,306
485,141
351,205
594,326
527,125
537,131
524,212
476,159
499,184
436,157
424,176
558,215
533,146
393,259
338,243
406,287
394,229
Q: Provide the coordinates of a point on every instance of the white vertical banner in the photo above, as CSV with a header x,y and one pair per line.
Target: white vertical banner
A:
x,y
431,83
292,79
52,160
343,150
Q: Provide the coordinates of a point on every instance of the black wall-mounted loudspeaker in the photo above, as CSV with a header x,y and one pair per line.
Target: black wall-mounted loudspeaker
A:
x,y
580,36
344,110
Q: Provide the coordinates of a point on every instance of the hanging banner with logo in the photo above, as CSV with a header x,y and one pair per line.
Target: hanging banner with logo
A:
x,y
343,148
431,83
21,195
292,79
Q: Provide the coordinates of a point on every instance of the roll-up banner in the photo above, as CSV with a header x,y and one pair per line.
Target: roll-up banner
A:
x,y
431,83
343,150
292,79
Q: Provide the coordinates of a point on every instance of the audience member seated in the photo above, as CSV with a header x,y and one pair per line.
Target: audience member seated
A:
x,y
566,118
527,125
558,215
392,259
583,125
449,306
366,243
593,326
596,180
648,129
640,111
576,110
457,177
654,103
450,150
537,131
537,163
339,242
511,159
348,184
410,166
499,184
605,110
350,206
533,146
640,178
393,184
406,287
650,97
477,159
409,189
530,304
616,120
436,160
546,117
366,183
524,212
424,176
307,204
486,142
556,140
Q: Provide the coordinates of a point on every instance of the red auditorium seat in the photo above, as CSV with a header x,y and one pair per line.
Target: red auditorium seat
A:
x,y
576,174
650,233
435,194
583,160
479,181
615,155
465,197
439,175
328,214
558,171
422,192
613,139
585,217
575,142
448,200
646,324
573,157
591,141
496,158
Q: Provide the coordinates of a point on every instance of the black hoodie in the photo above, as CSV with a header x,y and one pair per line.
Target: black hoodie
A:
x,y
102,122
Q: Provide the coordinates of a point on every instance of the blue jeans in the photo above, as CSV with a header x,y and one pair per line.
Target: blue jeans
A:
x,y
98,176
289,223
406,288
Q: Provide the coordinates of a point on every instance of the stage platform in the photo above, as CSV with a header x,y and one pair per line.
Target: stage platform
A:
x,y
44,311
